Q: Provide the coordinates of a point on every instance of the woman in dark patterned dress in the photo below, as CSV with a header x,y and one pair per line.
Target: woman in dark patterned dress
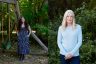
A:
x,y
23,34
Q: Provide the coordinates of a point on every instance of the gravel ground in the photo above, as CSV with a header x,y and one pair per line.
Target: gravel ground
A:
x,y
37,56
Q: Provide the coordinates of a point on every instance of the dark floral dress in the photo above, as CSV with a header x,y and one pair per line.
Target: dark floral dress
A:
x,y
23,41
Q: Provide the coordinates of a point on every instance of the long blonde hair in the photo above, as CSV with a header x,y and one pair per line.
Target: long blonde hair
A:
x,y
64,22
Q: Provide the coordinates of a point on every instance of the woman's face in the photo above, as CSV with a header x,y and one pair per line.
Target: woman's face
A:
x,y
23,20
69,18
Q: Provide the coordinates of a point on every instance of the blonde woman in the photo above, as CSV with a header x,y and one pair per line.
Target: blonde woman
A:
x,y
69,39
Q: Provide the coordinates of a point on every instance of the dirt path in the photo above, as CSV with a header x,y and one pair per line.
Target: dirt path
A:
x,y
37,56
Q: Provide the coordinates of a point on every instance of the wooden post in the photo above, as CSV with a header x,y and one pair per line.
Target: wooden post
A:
x,y
8,10
39,41
8,1
2,22
17,11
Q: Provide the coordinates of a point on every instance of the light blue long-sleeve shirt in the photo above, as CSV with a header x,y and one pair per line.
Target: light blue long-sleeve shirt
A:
x,y
69,40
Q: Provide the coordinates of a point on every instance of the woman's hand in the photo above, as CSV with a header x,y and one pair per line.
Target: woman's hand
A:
x,y
28,35
17,33
68,56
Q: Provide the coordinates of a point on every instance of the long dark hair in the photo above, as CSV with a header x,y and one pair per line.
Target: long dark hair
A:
x,y
20,23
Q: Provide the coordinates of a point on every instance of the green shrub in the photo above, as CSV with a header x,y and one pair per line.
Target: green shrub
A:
x,y
87,19
42,32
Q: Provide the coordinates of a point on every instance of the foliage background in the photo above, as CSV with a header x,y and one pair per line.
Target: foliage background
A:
x,y
85,12
34,11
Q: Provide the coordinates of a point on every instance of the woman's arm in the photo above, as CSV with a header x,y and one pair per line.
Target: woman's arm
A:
x,y
29,28
17,33
79,41
59,41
